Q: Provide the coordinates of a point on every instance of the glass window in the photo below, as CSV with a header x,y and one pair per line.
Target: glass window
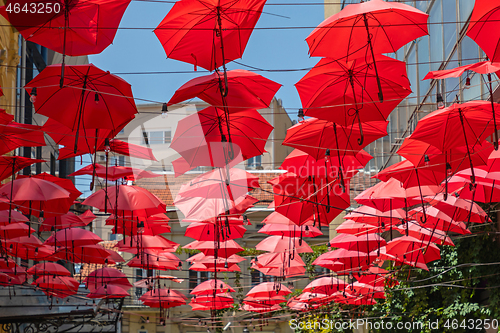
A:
x,y
470,51
436,35
423,64
255,162
452,85
156,137
168,136
465,8
412,76
450,25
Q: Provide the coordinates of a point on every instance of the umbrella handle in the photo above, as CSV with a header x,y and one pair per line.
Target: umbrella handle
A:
x,y
361,138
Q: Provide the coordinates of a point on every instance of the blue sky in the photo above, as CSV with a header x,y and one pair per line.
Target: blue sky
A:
x,y
270,49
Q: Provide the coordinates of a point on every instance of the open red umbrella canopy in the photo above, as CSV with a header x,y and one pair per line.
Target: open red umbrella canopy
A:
x,y
220,183
325,285
15,230
126,198
347,260
366,243
484,190
224,249
14,135
315,136
58,286
483,28
68,220
410,249
346,92
411,176
279,264
269,290
210,287
107,276
15,217
48,268
246,129
467,124
425,234
248,91
209,302
73,27
290,230
156,259
90,254
73,238
208,33
304,165
388,26
163,298
358,229
421,153
375,217
140,243
459,209
283,244
114,172
108,291
438,220
211,232
91,97
13,164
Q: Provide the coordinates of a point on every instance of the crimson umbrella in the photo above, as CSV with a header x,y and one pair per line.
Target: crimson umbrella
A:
x,y
458,209
108,292
375,217
15,135
91,98
126,198
411,249
281,264
156,259
467,124
425,234
90,254
246,129
366,29
210,287
483,67
290,230
358,229
269,290
346,92
211,302
139,243
48,268
107,276
222,249
209,33
283,244
485,190
163,298
438,220
305,165
483,27
114,172
214,232
15,230
411,176
58,286
366,243
68,220
325,285
10,165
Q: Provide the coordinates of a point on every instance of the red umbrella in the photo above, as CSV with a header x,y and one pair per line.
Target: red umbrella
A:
x,y
223,249
15,230
126,198
40,253
58,286
264,300
137,243
366,29
410,249
48,268
483,28
485,190
208,34
90,254
150,281
248,90
358,229
163,298
411,176
325,285
220,183
347,260
73,237
246,129
283,244
211,287
304,165
156,259
107,276
209,302
315,137
467,124
37,193
425,234
91,97
15,135
212,232
68,220
346,92
458,209
269,290
72,28
10,165
108,292
260,308
114,172
375,217
283,264
290,230
15,217
437,220
358,243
